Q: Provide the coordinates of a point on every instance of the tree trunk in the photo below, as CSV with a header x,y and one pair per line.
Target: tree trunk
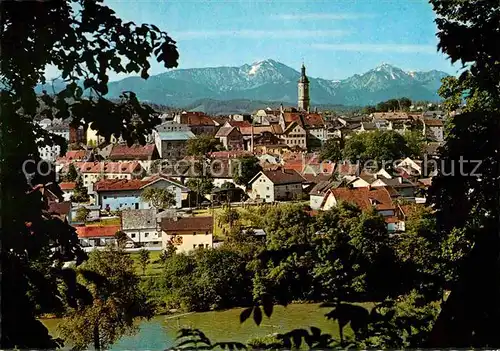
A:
x,y
97,345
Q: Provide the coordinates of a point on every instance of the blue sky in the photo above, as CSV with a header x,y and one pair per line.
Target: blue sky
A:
x,y
335,38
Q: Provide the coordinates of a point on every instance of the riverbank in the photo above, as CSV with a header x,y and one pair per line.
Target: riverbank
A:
x,y
160,332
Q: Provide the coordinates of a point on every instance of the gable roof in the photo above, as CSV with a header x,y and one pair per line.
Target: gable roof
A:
x,y
138,219
365,198
323,186
108,167
281,176
134,152
97,231
66,186
195,224
433,122
196,120
118,184
238,124
226,131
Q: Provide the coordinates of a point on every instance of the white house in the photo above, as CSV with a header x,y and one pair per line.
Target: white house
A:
x,y
276,185
187,233
141,227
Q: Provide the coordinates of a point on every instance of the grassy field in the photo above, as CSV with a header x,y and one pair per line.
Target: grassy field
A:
x,y
154,266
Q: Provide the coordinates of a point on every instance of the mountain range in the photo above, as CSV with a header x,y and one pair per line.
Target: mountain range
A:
x,y
270,80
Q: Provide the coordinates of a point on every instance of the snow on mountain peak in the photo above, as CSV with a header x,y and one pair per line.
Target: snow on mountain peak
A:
x,y
255,67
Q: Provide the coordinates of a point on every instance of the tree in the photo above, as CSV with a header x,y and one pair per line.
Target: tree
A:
x,y
415,142
201,186
378,146
331,151
159,198
72,174
121,239
82,214
80,194
201,145
144,259
85,41
462,201
229,216
115,301
245,169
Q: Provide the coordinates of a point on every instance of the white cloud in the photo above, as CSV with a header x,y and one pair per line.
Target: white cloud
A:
x,y
394,48
258,34
324,16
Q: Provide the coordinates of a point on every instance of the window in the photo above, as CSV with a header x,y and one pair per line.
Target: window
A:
x,y
155,242
200,246
194,246
206,245
146,235
194,233
105,197
136,206
267,188
267,196
206,233
133,235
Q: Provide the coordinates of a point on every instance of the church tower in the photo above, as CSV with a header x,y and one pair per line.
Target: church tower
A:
x,y
303,86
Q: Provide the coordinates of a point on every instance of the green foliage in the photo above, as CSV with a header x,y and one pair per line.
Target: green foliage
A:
x,y
229,216
377,146
402,104
202,145
331,150
206,279
81,214
246,168
143,259
80,194
415,143
121,239
85,40
72,174
158,198
114,302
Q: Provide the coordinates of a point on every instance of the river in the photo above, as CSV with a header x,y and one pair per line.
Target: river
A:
x,y
159,333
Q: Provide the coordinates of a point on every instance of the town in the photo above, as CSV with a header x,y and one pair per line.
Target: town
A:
x,y
103,182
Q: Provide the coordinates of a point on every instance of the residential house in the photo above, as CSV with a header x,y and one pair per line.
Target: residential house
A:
x,y
403,186
277,185
318,192
97,236
68,189
91,172
410,166
198,122
59,128
433,129
266,116
187,233
120,194
171,140
95,139
295,136
365,199
314,125
61,210
93,212
141,227
144,154
367,127
231,138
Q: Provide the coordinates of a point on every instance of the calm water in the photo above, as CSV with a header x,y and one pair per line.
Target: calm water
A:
x,y
159,333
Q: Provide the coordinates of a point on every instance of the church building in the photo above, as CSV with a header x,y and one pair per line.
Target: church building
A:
x,y
303,103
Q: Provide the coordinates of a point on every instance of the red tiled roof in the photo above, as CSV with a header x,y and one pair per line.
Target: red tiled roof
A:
x,y
195,224
118,184
75,155
97,231
67,185
239,124
365,198
283,176
196,120
391,219
134,152
107,167
313,120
